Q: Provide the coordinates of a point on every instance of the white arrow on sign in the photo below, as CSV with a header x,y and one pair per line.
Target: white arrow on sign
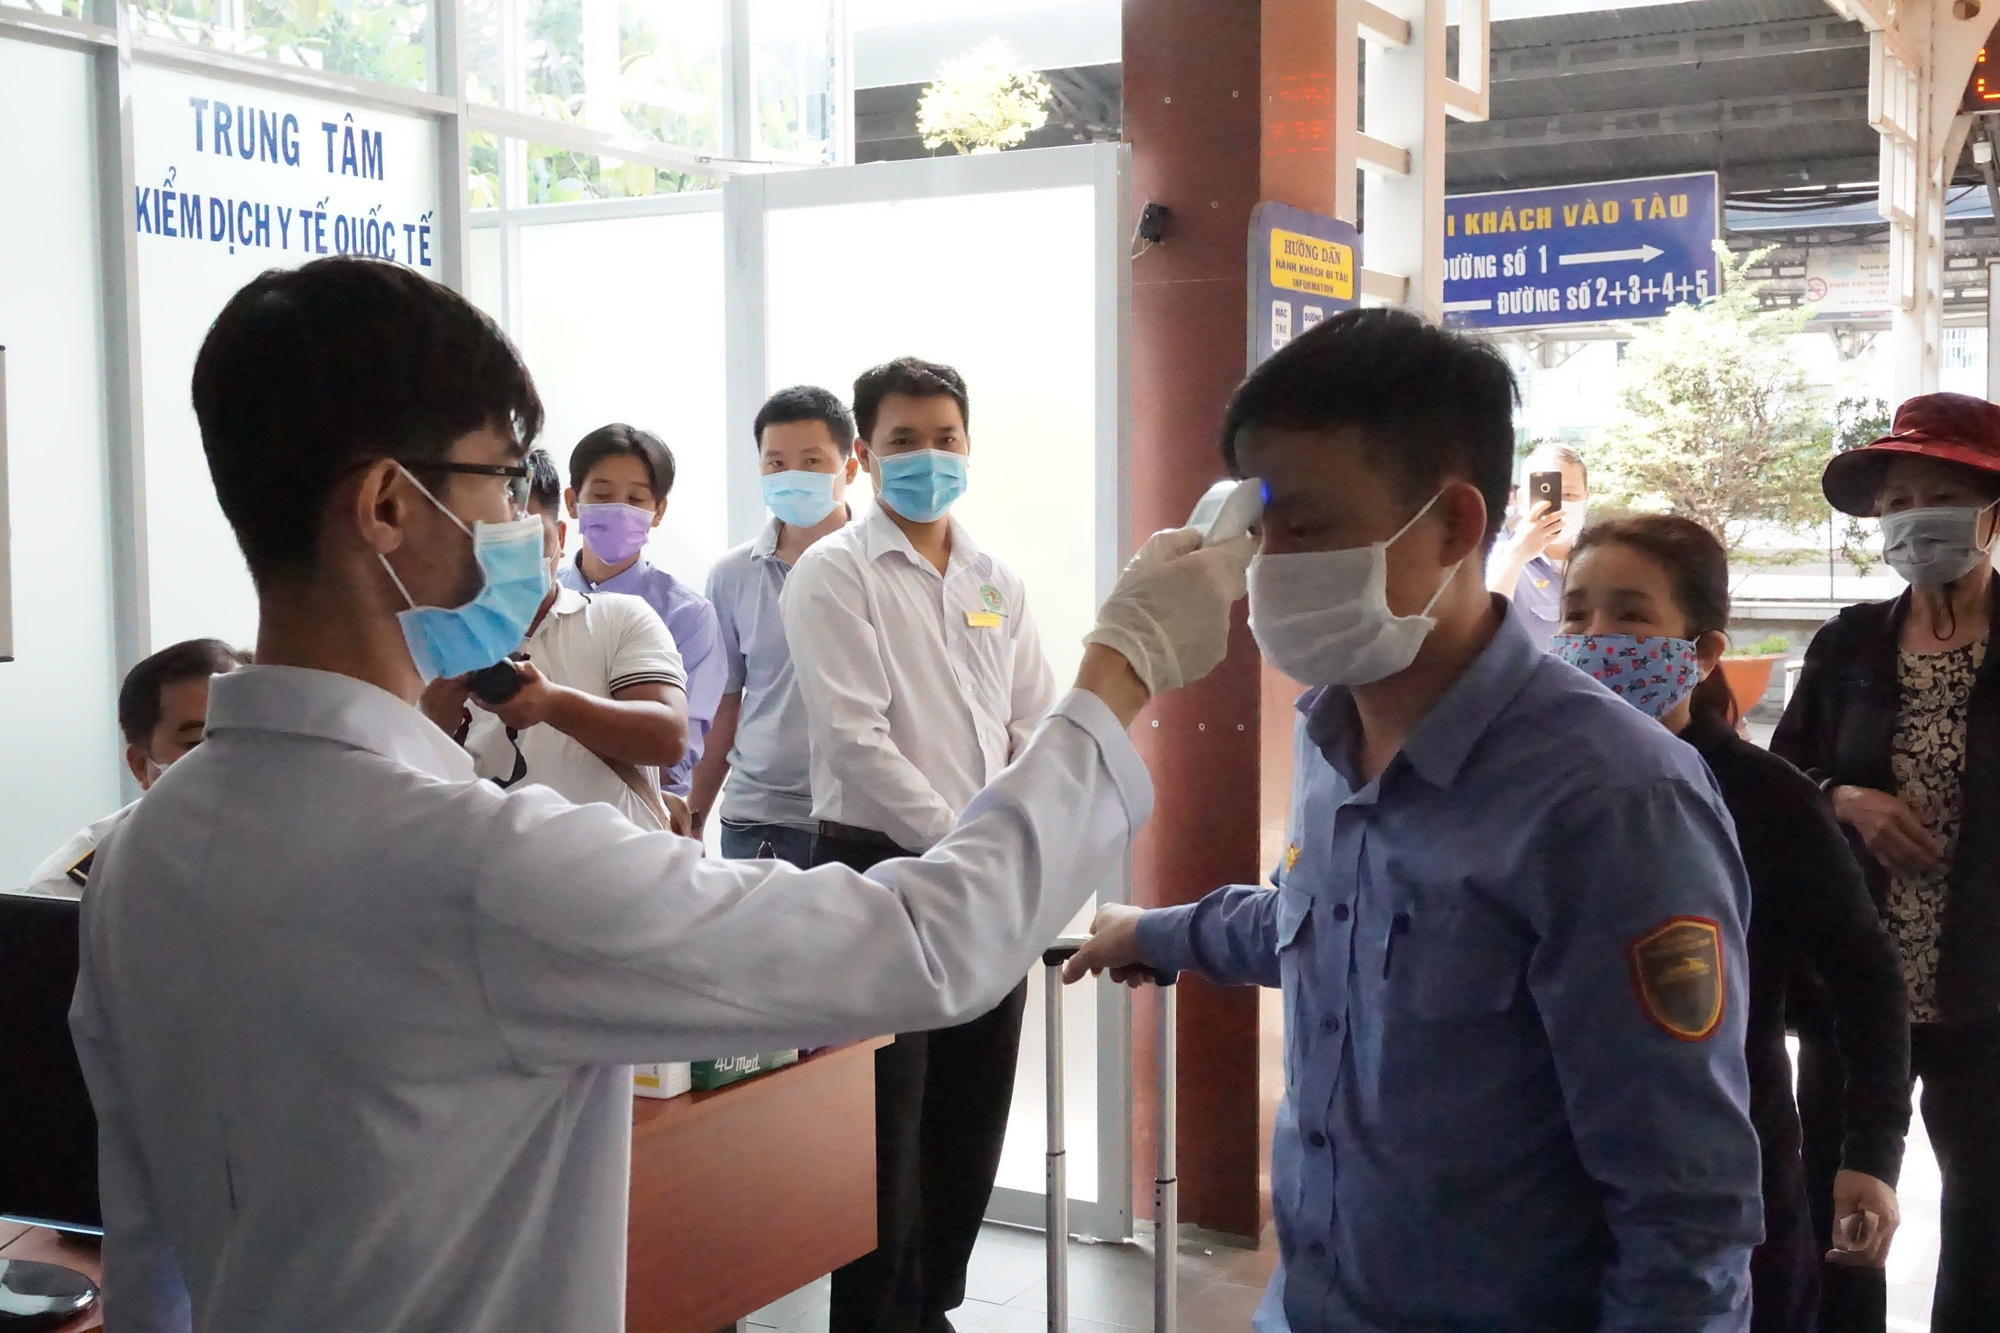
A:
x,y
1643,254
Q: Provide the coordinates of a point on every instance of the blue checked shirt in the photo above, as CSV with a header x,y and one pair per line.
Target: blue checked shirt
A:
x,y
1485,1126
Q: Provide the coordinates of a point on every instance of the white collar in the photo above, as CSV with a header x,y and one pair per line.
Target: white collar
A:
x,y
567,600
880,535
299,701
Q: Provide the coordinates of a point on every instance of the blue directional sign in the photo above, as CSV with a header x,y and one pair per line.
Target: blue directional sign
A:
x,y
1303,267
1580,254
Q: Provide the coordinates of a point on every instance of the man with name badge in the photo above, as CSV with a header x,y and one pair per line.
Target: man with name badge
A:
x,y
357,1024
922,677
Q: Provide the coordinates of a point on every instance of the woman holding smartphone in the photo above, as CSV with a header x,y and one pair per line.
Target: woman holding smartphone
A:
x,y
1645,601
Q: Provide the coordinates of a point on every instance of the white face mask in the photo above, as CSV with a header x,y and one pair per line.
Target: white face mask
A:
x,y
1323,617
1933,547
1573,518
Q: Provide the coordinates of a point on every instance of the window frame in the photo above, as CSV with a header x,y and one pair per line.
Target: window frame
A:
x,y
108,34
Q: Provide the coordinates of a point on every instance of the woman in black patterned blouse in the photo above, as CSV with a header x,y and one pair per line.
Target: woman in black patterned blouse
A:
x,y
1897,717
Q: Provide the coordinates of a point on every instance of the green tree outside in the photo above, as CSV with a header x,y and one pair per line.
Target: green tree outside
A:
x,y
982,101
1717,422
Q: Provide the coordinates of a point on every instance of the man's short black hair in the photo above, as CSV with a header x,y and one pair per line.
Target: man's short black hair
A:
x,y
619,438
544,483
312,373
911,377
807,402
139,706
1432,404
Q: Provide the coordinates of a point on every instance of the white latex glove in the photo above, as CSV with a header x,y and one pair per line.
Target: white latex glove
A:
x,y
1168,615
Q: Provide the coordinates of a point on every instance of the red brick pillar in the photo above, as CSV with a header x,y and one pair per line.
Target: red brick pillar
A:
x,y
1192,84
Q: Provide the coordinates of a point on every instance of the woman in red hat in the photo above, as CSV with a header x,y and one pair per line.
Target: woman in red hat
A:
x,y
1897,717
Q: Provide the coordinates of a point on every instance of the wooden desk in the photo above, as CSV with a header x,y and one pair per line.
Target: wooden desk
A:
x,y
54,1247
745,1194
739,1196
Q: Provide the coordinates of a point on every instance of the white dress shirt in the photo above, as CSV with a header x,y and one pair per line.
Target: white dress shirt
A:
x,y
597,643
63,874
355,1022
919,687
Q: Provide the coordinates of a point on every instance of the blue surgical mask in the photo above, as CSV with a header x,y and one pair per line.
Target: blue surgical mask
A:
x,y
801,499
450,641
923,484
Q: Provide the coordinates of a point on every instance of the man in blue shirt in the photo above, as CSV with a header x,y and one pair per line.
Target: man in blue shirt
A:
x,y
619,479
1509,923
1527,565
805,455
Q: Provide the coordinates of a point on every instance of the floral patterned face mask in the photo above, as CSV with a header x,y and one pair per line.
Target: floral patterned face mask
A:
x,y
1653,674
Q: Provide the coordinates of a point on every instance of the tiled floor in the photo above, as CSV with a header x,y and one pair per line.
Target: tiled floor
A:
x,y
1110,1289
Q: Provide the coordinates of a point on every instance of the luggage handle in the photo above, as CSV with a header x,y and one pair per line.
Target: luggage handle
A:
x,y
1166,1184
1067,947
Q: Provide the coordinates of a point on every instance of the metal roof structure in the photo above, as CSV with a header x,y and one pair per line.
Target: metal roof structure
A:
x,y
1772,94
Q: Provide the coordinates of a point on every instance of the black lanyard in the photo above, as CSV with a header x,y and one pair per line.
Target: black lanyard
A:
x,y
520,763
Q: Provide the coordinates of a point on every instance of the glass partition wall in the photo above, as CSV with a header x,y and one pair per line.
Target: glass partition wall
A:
x,y
647,206
1013,268
56,695
183,146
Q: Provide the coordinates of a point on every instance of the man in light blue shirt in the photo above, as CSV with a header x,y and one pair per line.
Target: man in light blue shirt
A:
x,y
619,480
805,453
1526,567
1509,923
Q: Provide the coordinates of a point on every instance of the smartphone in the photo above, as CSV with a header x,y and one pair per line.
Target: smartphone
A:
x,y
1546,487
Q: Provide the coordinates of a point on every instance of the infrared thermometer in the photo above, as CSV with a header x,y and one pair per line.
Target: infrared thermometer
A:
x,y
1229,509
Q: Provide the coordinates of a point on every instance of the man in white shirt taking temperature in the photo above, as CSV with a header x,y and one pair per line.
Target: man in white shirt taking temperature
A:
x,y
354,1021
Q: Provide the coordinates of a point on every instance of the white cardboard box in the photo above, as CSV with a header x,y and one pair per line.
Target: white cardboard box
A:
x,y
661,1080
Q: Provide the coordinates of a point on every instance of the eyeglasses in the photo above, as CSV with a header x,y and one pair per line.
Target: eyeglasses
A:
x,y
517,475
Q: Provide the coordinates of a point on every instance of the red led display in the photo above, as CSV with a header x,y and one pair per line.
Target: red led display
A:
x,y
1982,90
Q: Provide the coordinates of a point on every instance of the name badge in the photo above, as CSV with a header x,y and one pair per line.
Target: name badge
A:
x,y
982,619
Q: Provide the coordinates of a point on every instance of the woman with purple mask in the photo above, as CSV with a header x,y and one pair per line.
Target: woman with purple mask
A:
x,y
1645,601
619,481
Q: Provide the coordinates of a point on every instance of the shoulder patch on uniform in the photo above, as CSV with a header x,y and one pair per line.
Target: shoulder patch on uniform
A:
x,y
1677,971
1291,856
79,874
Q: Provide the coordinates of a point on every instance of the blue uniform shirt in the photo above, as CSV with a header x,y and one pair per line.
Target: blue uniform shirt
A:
x,y
691,620
769,777
1489,1122
1538,598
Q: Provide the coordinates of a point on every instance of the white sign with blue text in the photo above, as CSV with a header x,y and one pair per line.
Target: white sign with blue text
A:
x,y
274,178
1580,254
233,179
